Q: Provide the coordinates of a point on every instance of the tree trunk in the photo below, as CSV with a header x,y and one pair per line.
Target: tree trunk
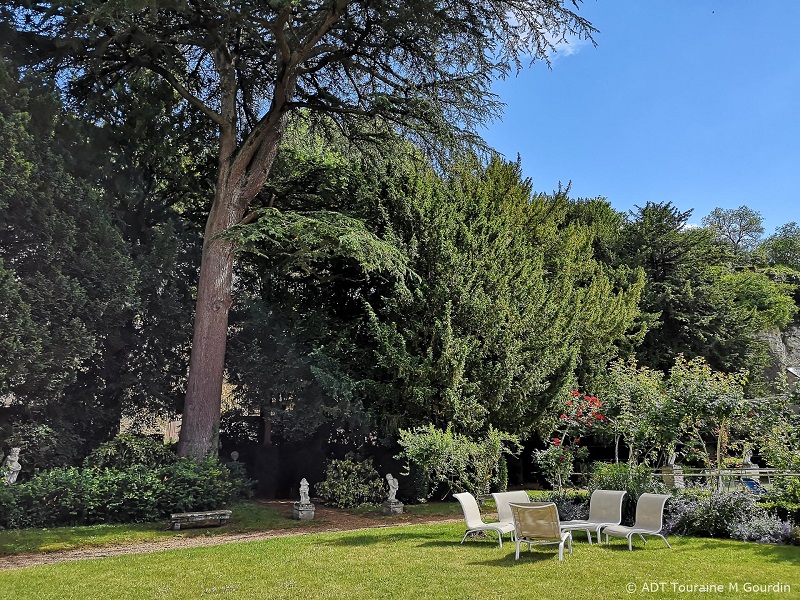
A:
x,y
239,180
201,411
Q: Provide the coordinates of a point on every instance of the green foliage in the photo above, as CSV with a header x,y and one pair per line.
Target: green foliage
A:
x,y
509,296
349,483
783,246
634,479
73,278
698,299
87,312
693,404
638,410
455,461
572,504
70,496
127,450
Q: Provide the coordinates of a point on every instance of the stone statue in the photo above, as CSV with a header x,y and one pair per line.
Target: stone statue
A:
x,y
303,509
304,499
392,506
747,460
393,485
11,466
672,457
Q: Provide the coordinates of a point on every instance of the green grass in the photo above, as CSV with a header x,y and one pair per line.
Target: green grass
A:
x,y
412,562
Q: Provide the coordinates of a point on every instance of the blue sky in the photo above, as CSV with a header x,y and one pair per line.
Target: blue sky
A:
x,y
691,101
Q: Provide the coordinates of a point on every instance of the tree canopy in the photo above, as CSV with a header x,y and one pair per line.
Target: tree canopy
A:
x,y
423,68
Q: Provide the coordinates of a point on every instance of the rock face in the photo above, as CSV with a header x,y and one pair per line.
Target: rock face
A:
x,y
785,348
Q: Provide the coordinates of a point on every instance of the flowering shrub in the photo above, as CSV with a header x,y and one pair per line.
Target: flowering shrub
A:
x,y
579,417
724,514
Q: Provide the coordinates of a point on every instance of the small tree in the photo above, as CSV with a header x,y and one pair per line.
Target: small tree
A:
x,y
635,409
581,416
460,463
740,228
713,400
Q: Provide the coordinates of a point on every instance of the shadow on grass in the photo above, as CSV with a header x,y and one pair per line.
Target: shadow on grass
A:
x,y
535,556
368,538
765,552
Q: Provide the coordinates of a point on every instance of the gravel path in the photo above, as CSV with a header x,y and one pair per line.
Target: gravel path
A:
x,y
325,520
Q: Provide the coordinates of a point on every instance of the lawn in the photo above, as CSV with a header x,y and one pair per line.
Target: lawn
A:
x,y
420,561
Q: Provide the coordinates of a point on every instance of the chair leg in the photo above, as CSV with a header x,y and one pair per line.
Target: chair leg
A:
x,y
630,542
665,540
500,537
465,535
517,555
570,541
641,536
561,550
589,536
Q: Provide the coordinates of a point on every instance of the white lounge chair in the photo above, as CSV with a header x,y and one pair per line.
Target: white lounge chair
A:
x,y
472,517
605,509
537,523
649,520
504,499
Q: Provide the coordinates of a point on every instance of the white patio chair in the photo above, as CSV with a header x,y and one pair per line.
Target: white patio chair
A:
x,y
537,523
504,499
472,517
605,508
649,520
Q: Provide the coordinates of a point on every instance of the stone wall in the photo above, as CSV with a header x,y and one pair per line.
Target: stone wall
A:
x,y
785,348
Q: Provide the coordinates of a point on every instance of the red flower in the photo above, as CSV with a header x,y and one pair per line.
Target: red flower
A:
x,y
587,398
600,417
577,440
576,393
580,412
569,402
556,442
563,417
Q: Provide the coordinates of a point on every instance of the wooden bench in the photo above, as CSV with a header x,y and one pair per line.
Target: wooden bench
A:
x,y
208,518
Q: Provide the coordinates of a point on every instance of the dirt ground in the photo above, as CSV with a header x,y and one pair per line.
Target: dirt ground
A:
x,y
325,520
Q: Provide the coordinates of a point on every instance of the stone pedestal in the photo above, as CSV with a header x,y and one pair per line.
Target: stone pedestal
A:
x,y
673,476
392,507
304,511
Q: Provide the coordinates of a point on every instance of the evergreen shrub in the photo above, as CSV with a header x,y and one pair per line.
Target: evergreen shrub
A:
x,y
84,496
349,483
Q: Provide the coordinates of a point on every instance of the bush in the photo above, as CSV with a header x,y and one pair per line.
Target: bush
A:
x,y
127,450
786,511
73,496
349,483
725,515
634,479
763,529
571,504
